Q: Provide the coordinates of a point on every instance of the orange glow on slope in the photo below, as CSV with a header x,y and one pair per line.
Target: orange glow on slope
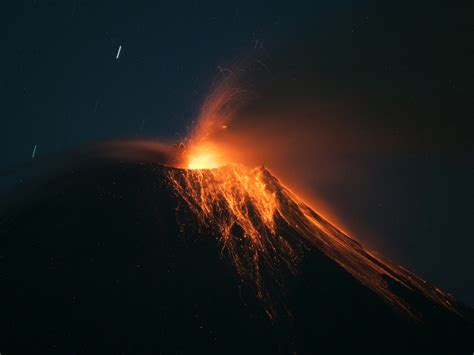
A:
x,y
263,227
239,203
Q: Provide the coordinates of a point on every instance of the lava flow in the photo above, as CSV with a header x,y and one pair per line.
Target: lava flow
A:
x,y
265,229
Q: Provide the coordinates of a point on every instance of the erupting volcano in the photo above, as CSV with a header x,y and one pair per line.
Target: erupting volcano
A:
x,y
146,248
263,225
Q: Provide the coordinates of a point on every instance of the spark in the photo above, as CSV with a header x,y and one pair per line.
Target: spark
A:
x,y
34,152
76,5
264,228
118,53
96,105
264,65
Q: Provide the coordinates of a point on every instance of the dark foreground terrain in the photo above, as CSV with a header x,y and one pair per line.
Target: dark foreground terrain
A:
x,y
95,261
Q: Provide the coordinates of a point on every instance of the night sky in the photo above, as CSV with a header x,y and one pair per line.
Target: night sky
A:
x,y
400,73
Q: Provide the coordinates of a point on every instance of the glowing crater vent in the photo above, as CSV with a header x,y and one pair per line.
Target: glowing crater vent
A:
x,y
203,157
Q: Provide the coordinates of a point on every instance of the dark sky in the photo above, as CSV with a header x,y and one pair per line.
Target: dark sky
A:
x,y
402,71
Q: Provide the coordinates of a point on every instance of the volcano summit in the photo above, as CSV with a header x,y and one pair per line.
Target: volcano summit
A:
x,y
122,256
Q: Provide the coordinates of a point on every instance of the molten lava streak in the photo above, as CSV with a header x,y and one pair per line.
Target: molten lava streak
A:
x,y
263,227
265,230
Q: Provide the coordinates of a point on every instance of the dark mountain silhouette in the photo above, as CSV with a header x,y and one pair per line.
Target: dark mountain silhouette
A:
x,y
110,257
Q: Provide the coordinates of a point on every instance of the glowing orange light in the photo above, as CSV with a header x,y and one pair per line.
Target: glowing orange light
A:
x,y
265,228
244,205
203,161
203,157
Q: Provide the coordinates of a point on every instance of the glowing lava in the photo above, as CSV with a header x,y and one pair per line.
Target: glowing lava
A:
x,y
263,227
203,157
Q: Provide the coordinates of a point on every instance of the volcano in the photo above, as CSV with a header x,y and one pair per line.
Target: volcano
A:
x,y
131,256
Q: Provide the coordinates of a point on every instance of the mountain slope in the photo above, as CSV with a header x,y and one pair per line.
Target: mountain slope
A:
x,y
117,257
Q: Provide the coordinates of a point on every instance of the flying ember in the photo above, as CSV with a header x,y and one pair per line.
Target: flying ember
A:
x,y
265,229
